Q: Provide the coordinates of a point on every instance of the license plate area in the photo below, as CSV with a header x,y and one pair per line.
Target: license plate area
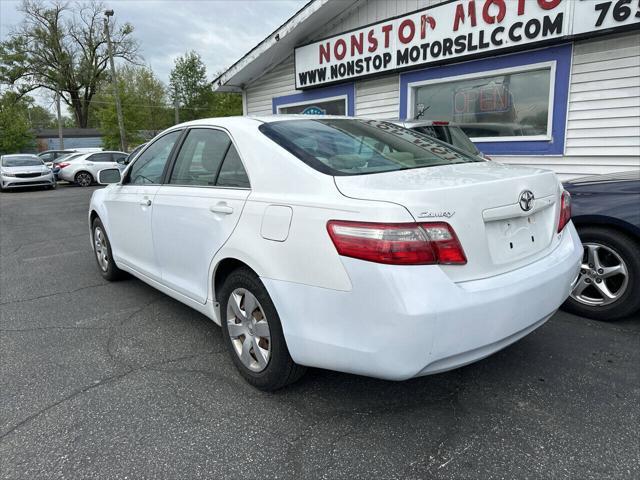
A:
x,y
519,237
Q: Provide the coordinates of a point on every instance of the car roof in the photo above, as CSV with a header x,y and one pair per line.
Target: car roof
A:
x,y
20,155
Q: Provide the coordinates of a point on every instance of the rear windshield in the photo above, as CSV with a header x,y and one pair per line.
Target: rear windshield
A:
x,y
356,147
21,161
451,135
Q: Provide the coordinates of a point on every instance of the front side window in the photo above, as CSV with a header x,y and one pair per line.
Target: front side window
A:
x,y
512,104
149,166
355,147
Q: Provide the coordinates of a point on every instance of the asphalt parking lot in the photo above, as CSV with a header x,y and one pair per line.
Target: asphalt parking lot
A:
x,y
116,380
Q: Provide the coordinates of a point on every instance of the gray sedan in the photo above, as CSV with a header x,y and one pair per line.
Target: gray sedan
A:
x,y
22,170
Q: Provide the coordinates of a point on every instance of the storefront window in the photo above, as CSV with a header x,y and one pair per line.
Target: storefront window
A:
x,y
497,106
330,107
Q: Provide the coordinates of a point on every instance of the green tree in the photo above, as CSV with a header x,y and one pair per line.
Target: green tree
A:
x,y
190,89
144,107
188,86
16,134
61,47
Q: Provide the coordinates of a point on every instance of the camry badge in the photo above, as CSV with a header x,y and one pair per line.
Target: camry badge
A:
x,y
445,214
526,200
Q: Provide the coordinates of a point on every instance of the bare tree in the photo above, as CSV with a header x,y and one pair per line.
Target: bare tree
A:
x,y
62,48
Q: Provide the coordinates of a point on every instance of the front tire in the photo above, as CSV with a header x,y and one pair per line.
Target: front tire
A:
x,y
253,333
102,252
609,277
84,179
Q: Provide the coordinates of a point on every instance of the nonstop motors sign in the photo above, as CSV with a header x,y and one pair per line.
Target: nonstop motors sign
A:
x,y
452,31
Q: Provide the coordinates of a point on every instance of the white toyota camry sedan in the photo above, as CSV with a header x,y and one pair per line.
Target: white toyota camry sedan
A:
x,y
347,244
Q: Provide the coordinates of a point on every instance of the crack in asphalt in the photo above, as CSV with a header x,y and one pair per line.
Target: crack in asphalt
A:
x,y
36,329
48,295
48,242
87,388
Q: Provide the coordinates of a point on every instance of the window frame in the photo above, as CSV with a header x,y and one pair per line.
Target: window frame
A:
x,y
344,98
126,176
561,54
344,91
174,157
550,65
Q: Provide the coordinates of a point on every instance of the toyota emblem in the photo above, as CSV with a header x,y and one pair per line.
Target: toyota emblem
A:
x,y
526,200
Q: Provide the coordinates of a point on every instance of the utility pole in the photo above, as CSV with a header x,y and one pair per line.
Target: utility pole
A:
x,y
123,137
60,137
176,105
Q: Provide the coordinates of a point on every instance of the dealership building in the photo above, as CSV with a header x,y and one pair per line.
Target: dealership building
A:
x,y
551,83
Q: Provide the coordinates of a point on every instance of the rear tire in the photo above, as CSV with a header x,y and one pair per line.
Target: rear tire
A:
x,y
84,179
248,328
612,248
102,252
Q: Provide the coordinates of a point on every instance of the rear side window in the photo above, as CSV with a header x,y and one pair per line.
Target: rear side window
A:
x,y
356,147
207,158
100,157
232,173
149,166
200,158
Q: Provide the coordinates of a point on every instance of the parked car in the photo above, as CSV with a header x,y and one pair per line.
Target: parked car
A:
x,y
313,248
606,212
48,156
55,165
23,170
445,131
83,169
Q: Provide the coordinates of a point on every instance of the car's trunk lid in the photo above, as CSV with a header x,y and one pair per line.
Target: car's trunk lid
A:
x,y
481,201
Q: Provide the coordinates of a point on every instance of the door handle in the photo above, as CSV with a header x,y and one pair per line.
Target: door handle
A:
x,y
221,208
146,203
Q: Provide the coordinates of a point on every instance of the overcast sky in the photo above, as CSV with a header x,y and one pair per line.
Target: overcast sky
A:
x,y
221,31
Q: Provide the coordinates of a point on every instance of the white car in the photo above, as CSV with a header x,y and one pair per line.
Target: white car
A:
x,y
83,169
346,244
24,170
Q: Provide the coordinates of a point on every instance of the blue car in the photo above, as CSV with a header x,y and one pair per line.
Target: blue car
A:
x,y
606,212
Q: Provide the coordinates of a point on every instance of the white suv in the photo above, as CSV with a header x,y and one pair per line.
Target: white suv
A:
x,y
348,244
83,169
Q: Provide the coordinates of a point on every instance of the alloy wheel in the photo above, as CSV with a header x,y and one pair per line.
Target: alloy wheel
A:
x,y
248,329
101,249
83,179
603,277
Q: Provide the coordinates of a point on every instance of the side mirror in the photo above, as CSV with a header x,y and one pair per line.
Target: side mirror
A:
x,y
122,160
108,176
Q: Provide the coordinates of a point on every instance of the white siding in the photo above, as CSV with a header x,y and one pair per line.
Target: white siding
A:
x,y
378,97
603,120
276,83
604,101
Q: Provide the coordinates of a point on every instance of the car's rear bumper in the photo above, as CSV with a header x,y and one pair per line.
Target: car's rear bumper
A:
x,y
400,322
15,182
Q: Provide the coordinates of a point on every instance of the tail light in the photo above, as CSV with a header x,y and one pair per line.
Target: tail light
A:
x,y
62,164
397,243
565,210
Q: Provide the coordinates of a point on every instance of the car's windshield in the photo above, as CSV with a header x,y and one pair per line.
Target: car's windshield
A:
x,y
356,147
16,161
